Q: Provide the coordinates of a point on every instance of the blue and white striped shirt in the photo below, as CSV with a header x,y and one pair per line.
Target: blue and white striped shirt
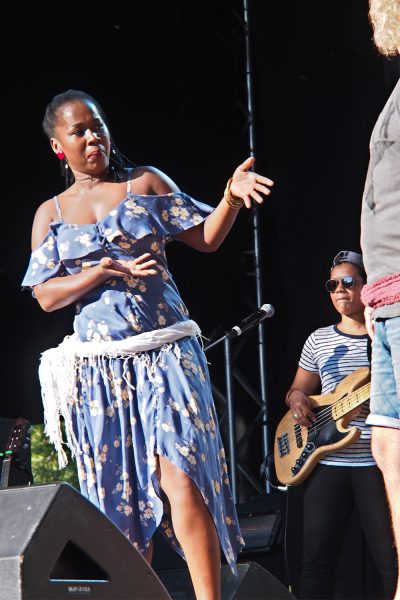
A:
x,y
334,355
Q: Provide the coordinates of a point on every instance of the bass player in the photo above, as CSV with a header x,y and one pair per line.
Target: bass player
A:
x,y
348,476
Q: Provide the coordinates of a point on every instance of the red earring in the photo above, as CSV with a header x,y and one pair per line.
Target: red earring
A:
x,y
60,155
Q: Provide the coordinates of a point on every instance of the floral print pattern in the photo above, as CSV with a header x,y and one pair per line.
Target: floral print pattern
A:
x,y
130,410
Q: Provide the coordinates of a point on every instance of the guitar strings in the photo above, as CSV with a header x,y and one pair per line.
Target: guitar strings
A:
x,y
325,415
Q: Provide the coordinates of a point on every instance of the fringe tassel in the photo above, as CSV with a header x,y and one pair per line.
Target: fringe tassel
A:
x,y
60,368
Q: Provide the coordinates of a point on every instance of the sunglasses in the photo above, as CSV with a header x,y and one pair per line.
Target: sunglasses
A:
x,y
347,282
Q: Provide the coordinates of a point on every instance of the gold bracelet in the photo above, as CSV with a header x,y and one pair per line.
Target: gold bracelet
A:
x,y
230,199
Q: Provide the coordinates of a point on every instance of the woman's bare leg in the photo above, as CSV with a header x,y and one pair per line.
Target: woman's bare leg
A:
x,y
194,529
386,451
148,554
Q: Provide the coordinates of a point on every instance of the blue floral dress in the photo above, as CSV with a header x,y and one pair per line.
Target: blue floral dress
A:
x,y
154,403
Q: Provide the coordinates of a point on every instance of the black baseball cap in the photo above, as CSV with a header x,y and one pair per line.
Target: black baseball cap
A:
x,y
348,256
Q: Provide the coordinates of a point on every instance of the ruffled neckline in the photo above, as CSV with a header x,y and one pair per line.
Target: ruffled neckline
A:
x,y
116,208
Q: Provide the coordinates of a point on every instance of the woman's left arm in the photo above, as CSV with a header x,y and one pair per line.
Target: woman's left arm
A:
x,y
244,188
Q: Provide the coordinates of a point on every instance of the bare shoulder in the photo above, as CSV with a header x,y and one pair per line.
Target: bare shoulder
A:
x,y
150,180
45,214
47,211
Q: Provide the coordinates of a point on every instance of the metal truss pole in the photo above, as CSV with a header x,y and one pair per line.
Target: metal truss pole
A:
x,y
256,241
256,392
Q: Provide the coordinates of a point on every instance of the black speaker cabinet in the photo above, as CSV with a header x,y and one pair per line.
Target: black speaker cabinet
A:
x,y
55,544
252,582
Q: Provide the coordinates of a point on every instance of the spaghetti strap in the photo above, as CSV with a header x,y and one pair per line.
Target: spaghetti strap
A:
x,y
129,181
58,207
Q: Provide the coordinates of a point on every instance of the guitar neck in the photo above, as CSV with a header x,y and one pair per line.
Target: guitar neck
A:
x,y
344,405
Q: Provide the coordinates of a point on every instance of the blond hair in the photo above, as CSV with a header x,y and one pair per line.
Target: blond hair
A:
x,y
384,16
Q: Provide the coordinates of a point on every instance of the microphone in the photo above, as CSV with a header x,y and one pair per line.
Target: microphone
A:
x,y
264,312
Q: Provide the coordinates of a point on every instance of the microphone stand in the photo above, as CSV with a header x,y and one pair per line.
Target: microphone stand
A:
x,y
221,339
264,312
226,338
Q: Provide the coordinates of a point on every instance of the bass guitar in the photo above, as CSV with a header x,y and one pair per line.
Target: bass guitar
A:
x,y
298,449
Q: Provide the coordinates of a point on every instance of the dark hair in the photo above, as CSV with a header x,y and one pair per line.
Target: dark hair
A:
x,y
118,161
361,272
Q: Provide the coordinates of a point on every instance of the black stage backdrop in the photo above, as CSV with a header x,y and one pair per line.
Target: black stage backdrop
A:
x,y
171,78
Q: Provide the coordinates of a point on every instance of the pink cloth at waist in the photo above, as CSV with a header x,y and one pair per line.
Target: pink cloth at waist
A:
x,y
382,292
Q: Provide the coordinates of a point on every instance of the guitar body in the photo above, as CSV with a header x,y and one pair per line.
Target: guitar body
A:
x,y
298,449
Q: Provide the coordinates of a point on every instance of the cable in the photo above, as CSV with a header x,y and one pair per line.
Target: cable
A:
x,y
282,488
264,471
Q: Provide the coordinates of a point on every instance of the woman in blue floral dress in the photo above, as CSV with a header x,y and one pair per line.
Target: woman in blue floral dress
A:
x,y
131,383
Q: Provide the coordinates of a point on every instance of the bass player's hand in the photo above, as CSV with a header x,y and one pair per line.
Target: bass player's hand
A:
x,y
300,407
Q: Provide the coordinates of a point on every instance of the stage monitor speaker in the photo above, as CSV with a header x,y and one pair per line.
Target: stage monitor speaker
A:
x,y
252,582
55,544
259,521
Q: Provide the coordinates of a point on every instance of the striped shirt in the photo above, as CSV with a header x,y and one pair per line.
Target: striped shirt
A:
x,y
334,355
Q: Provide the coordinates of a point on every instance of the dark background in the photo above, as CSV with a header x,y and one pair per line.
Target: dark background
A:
x,y
171,77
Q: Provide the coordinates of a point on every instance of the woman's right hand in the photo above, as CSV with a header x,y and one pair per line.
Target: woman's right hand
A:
x,y
138,267
300,407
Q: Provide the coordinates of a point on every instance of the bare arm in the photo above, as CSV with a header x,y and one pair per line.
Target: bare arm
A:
x,y
304,384
209,235
58,292
62,291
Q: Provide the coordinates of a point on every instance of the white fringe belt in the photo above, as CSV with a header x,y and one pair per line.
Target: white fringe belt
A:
x,y
58,380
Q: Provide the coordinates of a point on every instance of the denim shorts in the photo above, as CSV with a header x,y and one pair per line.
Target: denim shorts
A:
x,y
385,374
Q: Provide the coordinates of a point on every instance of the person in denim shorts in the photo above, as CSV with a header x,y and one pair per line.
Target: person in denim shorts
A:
x,y
380,243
